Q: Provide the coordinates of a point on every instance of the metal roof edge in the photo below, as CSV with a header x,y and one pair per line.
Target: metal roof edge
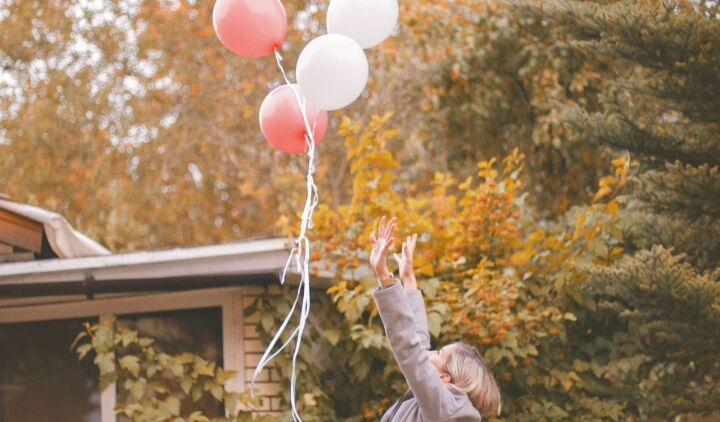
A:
x,y
130,262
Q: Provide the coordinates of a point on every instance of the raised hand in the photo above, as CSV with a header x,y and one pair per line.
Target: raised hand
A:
x,y
405,262
380,244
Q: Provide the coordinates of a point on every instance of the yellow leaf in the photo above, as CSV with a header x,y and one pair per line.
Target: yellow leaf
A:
x,y
466,184
427,270
536,236
612,207
488,173
601,193
570,316
390,133
309,399
567,381
522,257
606,181
344,129
579,222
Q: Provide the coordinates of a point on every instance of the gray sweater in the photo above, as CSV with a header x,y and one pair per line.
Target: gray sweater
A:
x,y
406,328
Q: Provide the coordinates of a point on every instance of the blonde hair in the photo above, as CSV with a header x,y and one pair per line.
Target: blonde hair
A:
x,y
470,375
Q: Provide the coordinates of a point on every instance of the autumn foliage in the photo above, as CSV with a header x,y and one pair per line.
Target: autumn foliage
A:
x,y
491,274
558,160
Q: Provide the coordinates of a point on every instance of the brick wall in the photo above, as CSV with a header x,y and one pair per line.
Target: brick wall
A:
x,y
268,381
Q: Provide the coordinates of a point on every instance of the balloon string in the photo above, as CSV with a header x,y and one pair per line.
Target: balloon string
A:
x,y
301,253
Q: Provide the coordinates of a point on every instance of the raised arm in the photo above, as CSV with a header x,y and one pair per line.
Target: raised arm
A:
x,y
406,330
435,400
415,298
417,305
378,253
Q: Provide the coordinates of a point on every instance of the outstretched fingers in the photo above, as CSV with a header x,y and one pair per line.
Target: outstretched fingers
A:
x,y
408,252
390,230
386,245
386,230
397,259
382,227
390,226
383,239
377,233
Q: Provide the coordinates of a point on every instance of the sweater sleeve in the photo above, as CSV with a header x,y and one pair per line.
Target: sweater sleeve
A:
x,y
417,304
433,397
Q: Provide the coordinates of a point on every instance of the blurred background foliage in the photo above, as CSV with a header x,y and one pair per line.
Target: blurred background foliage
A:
x,y
106,101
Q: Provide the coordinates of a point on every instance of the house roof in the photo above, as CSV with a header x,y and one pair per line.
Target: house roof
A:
x,y
65,241
250,261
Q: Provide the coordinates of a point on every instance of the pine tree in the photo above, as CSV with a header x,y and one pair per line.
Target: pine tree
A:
x,y
663,107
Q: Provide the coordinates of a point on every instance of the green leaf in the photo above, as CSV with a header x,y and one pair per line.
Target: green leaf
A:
x,y
580,366
83,349
105,362
166,361
177,369
131,363
159,388
186,383
185,358
103,339
598,247
197,416
231,402
145,341
365,340
197,392
172,405
203,367
361,303
434,323
152,369
222,376
136,388
333,336
81,335
267,321
217,392
128,410
430,286
127,337
107,379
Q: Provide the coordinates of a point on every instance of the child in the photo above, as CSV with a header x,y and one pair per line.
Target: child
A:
x,y
450,384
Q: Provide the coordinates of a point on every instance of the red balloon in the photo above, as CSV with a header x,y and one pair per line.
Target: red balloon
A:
x,y
282,124
250,28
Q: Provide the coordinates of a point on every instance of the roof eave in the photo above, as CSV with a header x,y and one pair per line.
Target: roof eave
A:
x,y
250,262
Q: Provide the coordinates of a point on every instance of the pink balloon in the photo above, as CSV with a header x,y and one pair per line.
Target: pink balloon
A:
x,y
282,124
250,28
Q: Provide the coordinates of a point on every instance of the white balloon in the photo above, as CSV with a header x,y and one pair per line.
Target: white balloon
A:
x,y
332,71
368,22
